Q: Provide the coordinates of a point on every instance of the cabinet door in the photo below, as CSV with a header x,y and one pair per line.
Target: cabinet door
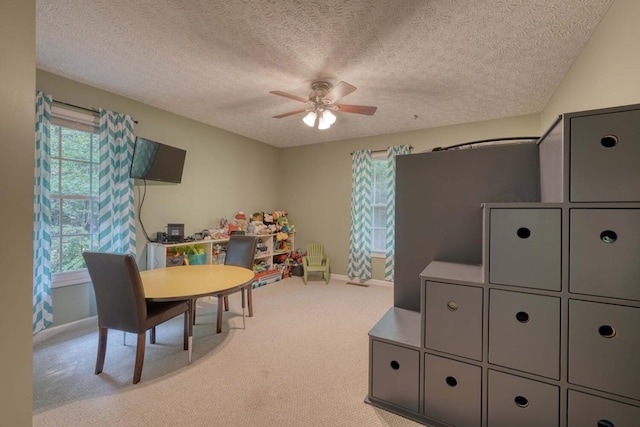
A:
x,y
604,248
525,246
605,149
604,347
395,375
453,319
588,410
524,332
520,402
452,391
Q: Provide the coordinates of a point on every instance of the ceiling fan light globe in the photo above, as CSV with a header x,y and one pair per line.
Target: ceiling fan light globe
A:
x,y
310,119
322,122
329,117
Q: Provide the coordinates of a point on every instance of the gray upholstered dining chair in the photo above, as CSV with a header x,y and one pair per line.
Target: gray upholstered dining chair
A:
x,y
122,306
241,251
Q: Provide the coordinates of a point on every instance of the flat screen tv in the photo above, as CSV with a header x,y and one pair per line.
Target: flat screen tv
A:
x,y
154,161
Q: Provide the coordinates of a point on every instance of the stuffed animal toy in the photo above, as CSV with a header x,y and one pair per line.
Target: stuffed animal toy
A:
x,y
241,221
267,219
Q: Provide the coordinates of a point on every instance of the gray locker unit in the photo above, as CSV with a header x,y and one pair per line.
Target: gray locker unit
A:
x,y
529,293
525,248
524,332
589,410
516,401
604,347
452,391
604,249
453,319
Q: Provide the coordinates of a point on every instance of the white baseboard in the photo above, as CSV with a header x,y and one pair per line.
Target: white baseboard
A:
x,y
365,283
55,330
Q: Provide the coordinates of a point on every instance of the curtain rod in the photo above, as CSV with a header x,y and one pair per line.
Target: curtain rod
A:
x,y
91,110
380,151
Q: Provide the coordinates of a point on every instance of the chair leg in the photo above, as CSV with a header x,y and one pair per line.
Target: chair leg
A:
x,y
152,336
226,303
304,275
250,299
326,276
137,371
102,349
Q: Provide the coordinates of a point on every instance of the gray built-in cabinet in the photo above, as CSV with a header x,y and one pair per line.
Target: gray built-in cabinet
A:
x,y
517,295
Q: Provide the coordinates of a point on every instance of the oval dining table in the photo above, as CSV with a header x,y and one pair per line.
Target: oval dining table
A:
x,y
190,282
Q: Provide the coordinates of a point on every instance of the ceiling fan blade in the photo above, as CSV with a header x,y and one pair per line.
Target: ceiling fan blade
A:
x,y
340,90
290,113
358,109
288,95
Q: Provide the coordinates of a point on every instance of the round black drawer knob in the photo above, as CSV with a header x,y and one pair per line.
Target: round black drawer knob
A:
x,y
395,365
523,233
521,401
609,141
605,423
608,236
452,382
607,331
522,317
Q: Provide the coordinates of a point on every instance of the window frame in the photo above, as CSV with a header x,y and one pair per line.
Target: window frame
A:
x,y
84,122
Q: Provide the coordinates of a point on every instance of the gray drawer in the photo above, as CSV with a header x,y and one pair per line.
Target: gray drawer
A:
x,y
452,391
525,248
605,149
587,410
516,401
453,317
604,347
395,375
524,332
604,248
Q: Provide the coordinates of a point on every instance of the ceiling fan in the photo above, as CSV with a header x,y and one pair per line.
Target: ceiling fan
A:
x,y
322,102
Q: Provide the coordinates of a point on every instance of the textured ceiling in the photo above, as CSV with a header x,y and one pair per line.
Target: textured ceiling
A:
x,y
423,63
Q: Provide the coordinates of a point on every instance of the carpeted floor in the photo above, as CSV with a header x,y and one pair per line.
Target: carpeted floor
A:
x,y
301,361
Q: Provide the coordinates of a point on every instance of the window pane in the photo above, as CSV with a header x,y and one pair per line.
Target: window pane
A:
x,y
76,216
54,141
75,178
380,217
379,238
55,254
76,144
55,217
379,182
72,248
95,148
55,176
94,219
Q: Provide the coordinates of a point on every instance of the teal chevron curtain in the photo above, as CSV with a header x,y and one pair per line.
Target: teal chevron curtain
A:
x,y
42,304
117,228
359,265
389,264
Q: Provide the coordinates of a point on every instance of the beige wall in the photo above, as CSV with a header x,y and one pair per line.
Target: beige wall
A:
x,y
607,72
17,96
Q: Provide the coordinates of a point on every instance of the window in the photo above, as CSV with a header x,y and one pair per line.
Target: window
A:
x,y
379,204
74,194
